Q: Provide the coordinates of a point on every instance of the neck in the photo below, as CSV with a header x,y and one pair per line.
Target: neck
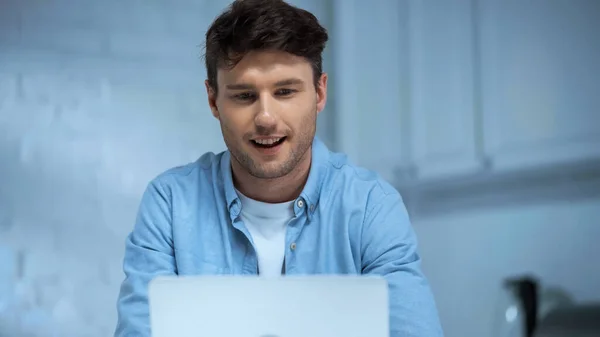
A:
x,y
276,190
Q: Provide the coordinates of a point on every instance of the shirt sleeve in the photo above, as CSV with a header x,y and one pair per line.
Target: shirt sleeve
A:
x,y
389,249
148,253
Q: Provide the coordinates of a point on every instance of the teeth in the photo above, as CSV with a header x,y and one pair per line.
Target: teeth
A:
x,y
269,141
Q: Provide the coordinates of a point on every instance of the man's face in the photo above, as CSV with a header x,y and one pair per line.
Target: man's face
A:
x,y
267,106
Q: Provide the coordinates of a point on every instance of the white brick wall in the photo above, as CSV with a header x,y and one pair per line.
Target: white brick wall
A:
x,y
96,98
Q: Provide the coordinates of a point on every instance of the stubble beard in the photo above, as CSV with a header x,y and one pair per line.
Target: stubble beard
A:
x,y
303,142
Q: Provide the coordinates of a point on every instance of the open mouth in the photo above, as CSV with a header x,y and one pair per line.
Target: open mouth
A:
x,y
268,143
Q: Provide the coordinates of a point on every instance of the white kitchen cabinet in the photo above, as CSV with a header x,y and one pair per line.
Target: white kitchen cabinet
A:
x,y
404,87
369,83
540,76
443,104
428,91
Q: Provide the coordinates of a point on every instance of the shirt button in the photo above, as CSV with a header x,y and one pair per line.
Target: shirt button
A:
x,y
312,208
293,246
300,203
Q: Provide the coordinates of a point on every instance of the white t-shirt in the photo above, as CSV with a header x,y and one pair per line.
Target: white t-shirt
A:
x,y
267,224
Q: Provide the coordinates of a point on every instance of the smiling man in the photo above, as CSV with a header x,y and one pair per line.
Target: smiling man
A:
x,y
277,201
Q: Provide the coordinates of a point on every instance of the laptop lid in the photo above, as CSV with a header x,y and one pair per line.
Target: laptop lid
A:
x,y
290,306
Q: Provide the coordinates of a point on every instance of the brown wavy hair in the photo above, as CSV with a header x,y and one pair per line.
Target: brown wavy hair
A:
x,y
250,25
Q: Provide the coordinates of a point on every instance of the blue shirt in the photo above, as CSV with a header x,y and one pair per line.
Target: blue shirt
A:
x,y
347,221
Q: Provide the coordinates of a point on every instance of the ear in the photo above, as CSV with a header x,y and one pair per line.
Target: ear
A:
x,y
322,92
212,99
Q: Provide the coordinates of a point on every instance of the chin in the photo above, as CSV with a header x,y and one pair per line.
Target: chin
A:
x,y
269,170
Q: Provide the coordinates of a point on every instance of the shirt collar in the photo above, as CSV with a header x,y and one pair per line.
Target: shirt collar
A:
x,y
309,197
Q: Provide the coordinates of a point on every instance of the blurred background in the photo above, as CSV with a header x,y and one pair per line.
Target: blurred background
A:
x,y
485,114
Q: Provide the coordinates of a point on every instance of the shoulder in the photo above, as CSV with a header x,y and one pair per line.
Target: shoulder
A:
x,y
373,206
357,181
183,178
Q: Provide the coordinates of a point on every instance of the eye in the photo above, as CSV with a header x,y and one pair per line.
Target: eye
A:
x,y
285,92
244,96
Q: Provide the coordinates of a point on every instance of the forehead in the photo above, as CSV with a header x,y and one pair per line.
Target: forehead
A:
x,y
264,67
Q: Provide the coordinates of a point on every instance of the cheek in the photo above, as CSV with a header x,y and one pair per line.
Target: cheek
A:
x,y
300,113
236,121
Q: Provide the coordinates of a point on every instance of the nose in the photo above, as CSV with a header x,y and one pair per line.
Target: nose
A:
x,y
266,118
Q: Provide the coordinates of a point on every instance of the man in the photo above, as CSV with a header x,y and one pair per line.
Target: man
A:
x,y
277,202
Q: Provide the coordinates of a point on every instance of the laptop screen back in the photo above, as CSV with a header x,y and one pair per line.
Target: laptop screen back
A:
x,y
291,306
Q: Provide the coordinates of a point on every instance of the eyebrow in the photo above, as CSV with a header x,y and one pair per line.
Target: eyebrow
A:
x,y
245,86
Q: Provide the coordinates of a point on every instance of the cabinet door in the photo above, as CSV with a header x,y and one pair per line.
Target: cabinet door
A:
x,y
540,62
369,87
442,72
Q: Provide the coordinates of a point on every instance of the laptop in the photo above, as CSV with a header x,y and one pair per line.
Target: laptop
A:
x,y
290,306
